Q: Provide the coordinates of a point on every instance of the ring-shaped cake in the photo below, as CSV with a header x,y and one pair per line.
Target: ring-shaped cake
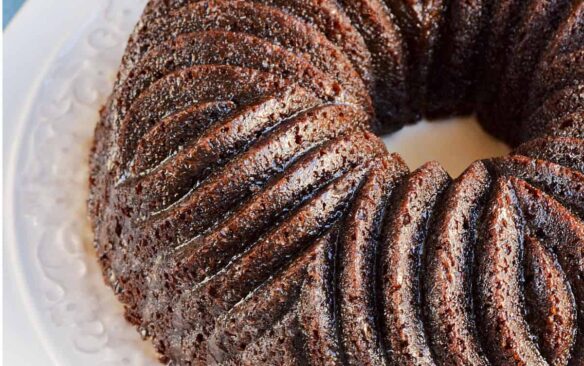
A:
x,y
246,212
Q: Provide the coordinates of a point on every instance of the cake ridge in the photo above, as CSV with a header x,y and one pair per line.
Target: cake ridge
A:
x,y
498,283
549,296
288,32
401,257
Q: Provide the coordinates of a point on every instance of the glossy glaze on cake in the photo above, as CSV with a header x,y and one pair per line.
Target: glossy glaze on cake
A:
x,y
245,212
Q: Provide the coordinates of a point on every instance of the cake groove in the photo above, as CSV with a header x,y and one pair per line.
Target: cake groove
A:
x,y
187,174
388,63
254,266
563,234
356,284
449,269
539,21
262,21
175,131
401,258
566,151
317,312
500,301
550,302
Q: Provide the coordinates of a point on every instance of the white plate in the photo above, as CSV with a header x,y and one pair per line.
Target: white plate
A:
x,y
60,60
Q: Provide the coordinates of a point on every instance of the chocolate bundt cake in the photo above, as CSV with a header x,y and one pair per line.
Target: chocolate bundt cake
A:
x,y
246,213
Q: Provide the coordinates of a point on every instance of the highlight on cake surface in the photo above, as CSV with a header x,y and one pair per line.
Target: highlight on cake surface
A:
x,y
246,211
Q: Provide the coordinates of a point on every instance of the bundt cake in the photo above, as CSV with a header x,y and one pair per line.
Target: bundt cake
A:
x,y
246,213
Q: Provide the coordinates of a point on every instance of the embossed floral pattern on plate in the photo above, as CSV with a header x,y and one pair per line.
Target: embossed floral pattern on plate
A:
x,y
77,313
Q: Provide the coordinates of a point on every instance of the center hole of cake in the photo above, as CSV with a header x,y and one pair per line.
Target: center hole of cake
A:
x,y
455,143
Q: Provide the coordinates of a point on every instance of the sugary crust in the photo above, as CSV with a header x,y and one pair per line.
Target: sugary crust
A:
x,y
223,291
504,17
449,270
500,300
564,184
246,214
389,61
325,15
563,234
453,75
561,72
266,22
551,309
316,307
569,124
359,245
401,262
566,151
192,164
569,36
420,23
184,88
539,21
239,49
558,105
